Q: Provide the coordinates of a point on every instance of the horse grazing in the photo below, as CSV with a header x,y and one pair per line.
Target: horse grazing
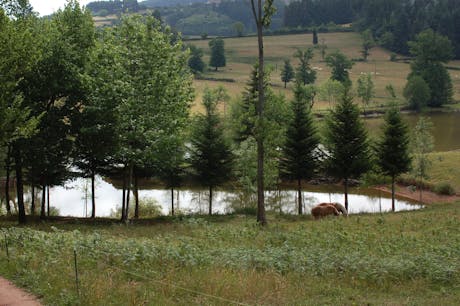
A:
x,y
338,206
321,211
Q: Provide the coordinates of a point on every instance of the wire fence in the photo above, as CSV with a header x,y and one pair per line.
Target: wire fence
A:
x,y
14,247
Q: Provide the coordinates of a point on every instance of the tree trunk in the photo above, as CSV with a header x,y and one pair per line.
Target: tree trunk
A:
x,y
32,205
19,186
123,202
42,208
261,218
7,182
393,193
285,84
48,200
128,192
172,201
299,190
346,194
136,195
93,195
210,201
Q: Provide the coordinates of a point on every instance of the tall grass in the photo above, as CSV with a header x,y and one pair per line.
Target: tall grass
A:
x,y
198,261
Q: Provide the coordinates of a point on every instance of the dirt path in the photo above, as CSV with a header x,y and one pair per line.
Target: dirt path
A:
x,y
10,295
428,197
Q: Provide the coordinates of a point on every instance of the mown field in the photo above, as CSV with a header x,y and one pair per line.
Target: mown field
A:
x,y
241,54
407,258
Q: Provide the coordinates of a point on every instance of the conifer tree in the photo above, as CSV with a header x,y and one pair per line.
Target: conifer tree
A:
x,y
299,159
211,156
392,150
346,143
287,73
315,37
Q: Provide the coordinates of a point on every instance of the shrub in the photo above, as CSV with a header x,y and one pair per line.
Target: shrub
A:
x,y
444,188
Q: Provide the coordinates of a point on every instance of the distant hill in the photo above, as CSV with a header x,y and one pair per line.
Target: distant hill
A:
x,y
166,3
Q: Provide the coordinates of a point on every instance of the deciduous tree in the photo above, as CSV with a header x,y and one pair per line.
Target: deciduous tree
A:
x,y
217,53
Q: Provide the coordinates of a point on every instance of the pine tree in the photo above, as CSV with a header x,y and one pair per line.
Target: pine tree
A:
x,y
211,157
346,143
287,73
392,150
299,159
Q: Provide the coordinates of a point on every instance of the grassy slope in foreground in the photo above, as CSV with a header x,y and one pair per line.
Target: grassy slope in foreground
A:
x,y
402,258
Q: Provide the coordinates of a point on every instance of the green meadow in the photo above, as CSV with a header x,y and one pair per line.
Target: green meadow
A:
x,y
241,54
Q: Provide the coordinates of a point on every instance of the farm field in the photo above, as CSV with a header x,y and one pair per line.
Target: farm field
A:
x,y
385,259
241,54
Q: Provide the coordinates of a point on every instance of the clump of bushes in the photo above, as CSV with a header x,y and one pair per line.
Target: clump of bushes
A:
x,y
444,188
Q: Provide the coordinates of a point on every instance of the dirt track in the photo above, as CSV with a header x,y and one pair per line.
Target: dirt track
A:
x,y
10,295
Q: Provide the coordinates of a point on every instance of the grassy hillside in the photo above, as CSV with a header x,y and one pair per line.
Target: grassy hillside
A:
x,y
390,259
242,53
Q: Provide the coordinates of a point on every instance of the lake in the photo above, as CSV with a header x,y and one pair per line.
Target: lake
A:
x,y
72,200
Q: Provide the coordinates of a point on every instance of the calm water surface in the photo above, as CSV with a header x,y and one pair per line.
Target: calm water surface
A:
x,y
72,200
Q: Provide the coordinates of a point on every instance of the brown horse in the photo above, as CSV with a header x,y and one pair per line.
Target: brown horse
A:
x,y
321,211
338,206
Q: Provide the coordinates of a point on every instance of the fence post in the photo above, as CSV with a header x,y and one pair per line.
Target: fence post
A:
x,y
76,270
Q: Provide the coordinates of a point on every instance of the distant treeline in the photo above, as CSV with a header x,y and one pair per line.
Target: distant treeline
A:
x,y
104,8
392,22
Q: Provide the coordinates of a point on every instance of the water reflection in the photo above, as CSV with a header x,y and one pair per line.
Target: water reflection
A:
x,y
74,200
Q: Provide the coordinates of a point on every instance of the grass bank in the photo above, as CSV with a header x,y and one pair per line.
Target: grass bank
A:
x,y
403,258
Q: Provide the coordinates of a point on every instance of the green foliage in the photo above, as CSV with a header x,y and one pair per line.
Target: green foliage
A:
x,y
368,44
330,90
210,154
195,61
393,148
287,72
217,53
304,73
340,65
300,151
239,28
346,142
365,88
422,144
444,188
417,92
431,50
148,208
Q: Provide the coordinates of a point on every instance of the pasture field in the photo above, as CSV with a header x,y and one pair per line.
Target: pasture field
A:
x,y
406,258
241,54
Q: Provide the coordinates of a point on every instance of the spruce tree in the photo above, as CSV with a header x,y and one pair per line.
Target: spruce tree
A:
x,y
299,159
287,73
211,157
392,150
346,143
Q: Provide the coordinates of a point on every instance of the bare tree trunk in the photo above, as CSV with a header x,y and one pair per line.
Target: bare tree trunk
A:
x,y
136,195
393,193
346,193
7,182
48,200
261,218
19,186
32,205
210,200
93,195
42,206
128,192
299,190
123,202
172,201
